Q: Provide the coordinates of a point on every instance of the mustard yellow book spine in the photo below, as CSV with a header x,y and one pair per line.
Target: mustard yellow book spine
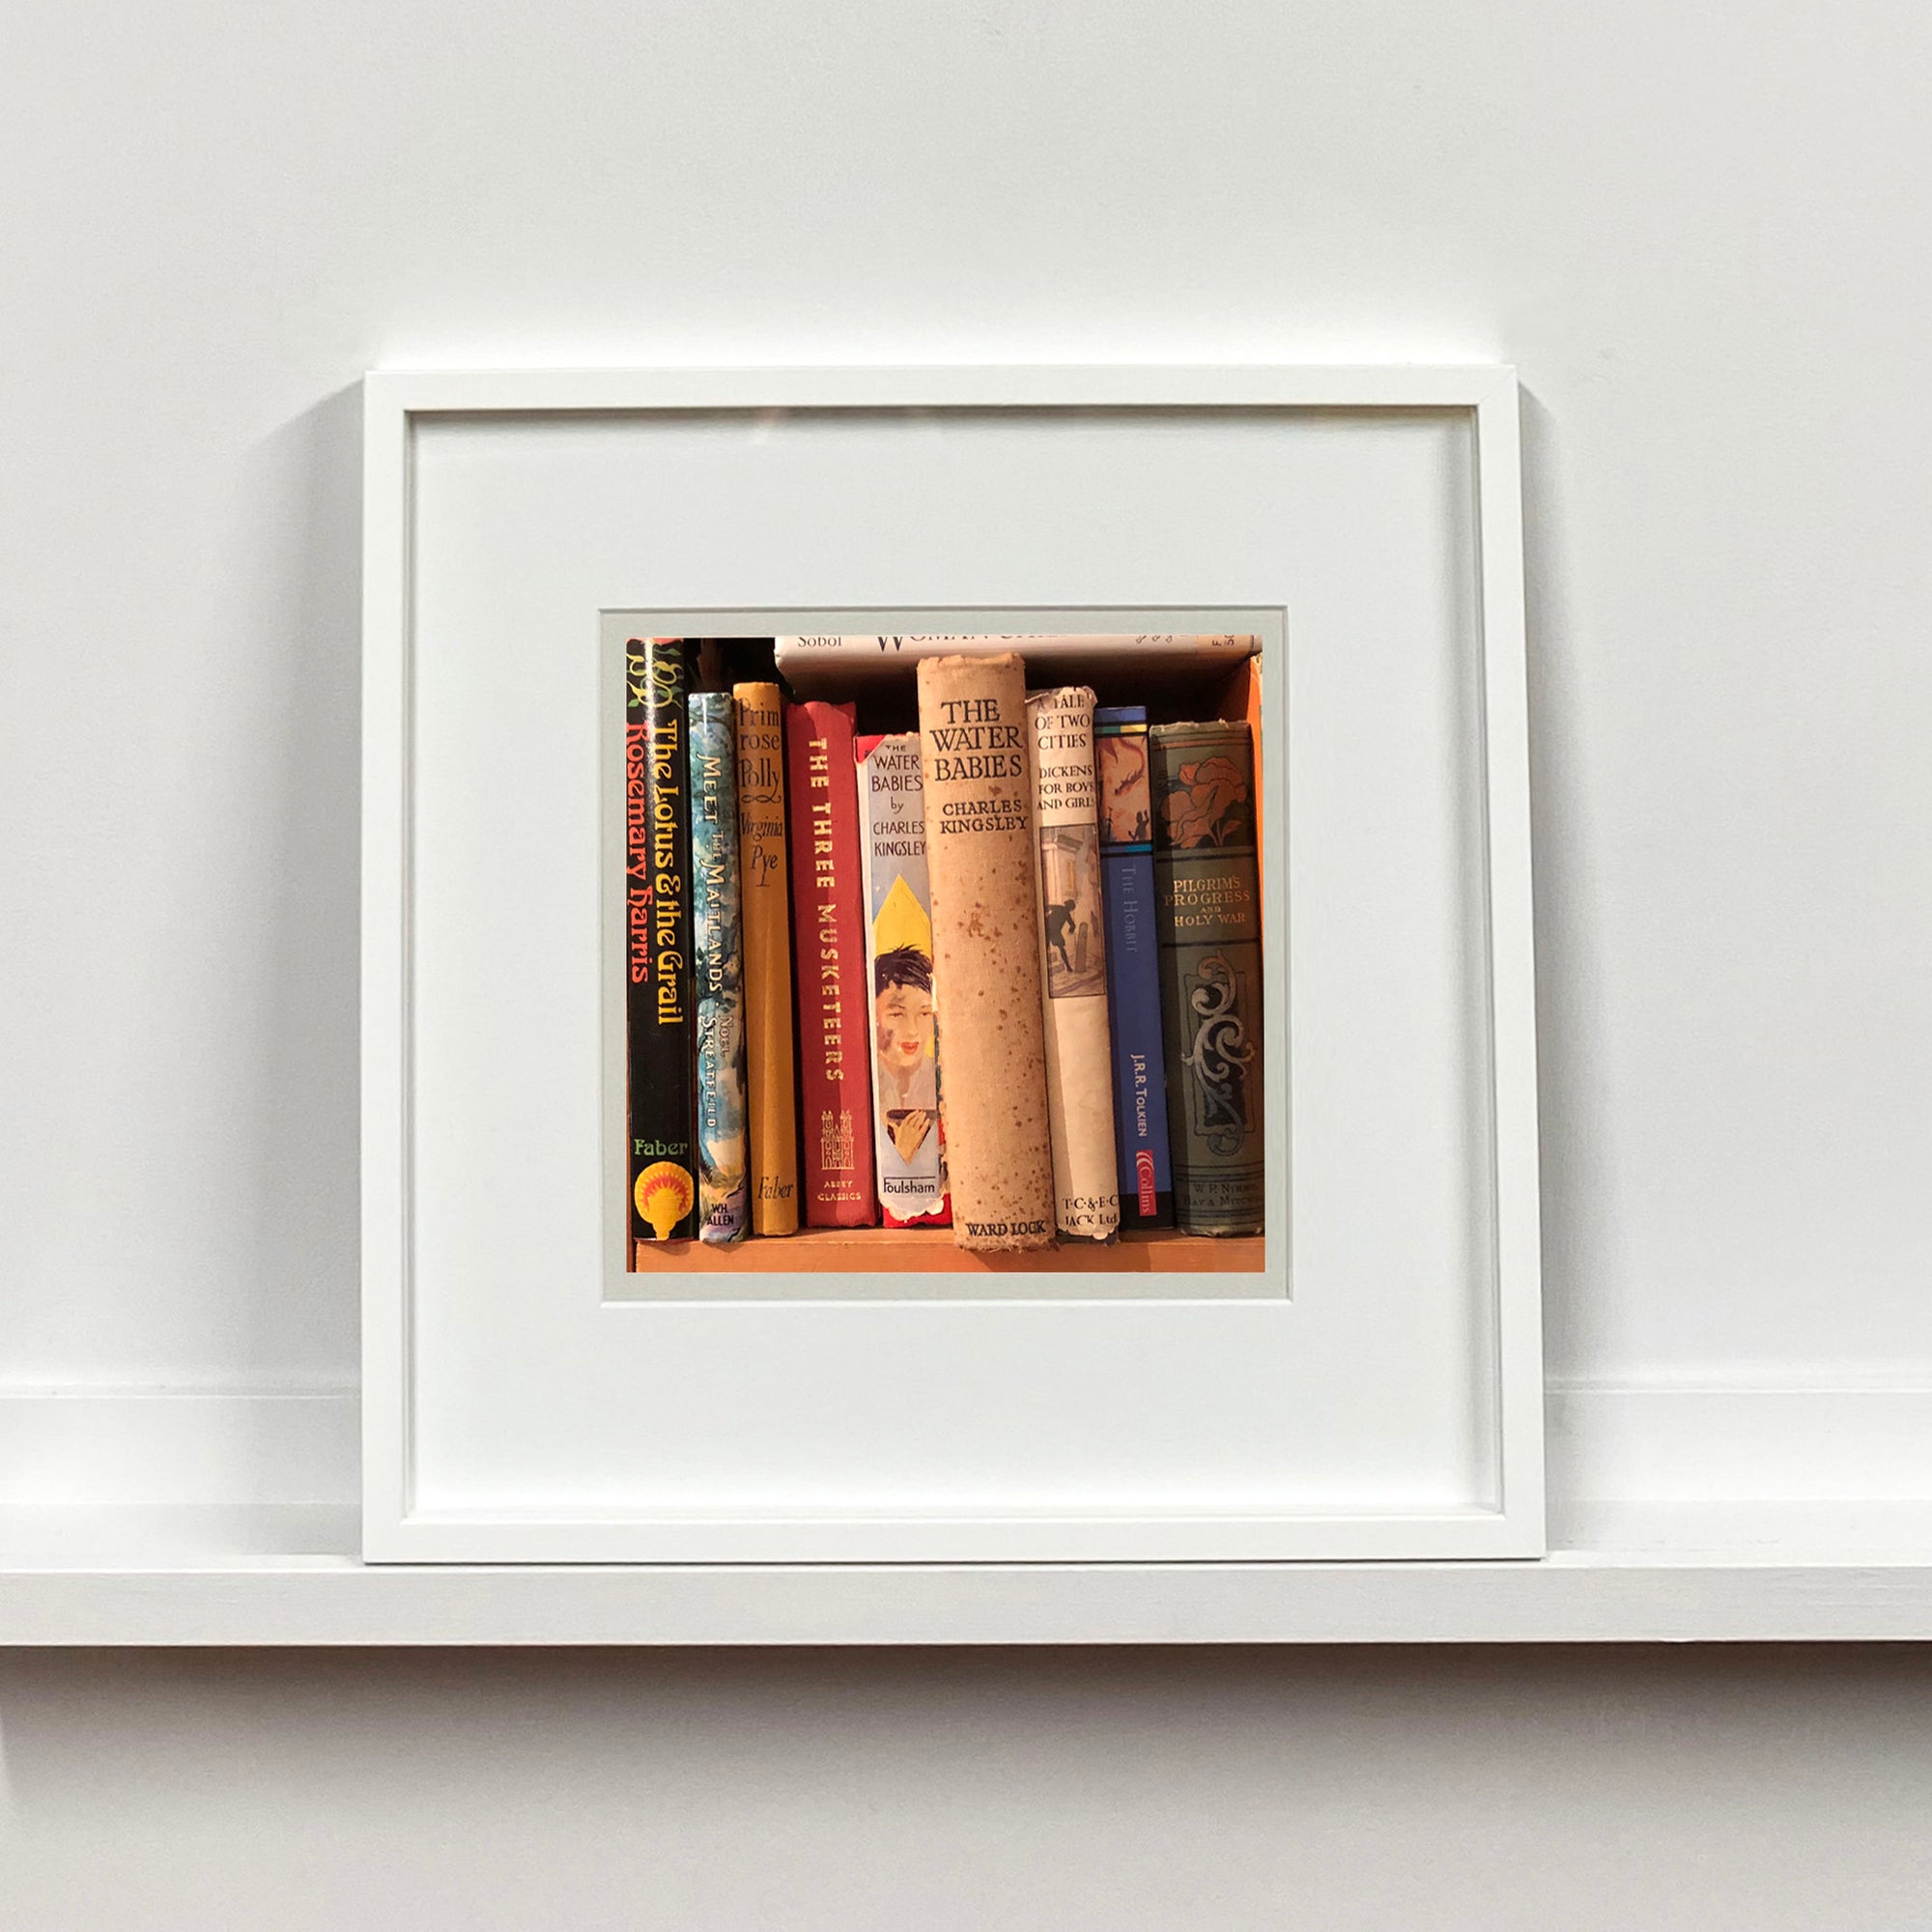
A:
x,y
765,897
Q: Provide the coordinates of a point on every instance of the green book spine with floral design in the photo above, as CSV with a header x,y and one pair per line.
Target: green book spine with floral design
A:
x,y
1208,900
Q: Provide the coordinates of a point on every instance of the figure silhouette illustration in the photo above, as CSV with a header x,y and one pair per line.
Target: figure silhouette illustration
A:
x,y
1058,921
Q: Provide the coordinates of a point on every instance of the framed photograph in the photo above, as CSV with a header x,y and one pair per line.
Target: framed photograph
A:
x,y
915,1318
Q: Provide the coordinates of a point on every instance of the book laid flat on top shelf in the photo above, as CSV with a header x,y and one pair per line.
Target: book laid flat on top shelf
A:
x,y
836,665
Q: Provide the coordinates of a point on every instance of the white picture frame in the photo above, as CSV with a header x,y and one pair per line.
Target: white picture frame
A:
x,y
511,1412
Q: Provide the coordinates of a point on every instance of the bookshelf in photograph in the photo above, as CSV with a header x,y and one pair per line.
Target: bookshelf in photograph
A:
x,y
990,972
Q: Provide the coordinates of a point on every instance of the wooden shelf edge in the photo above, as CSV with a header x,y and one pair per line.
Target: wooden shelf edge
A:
x,y
932,1251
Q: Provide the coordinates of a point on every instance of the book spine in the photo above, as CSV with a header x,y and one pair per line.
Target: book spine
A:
x,y
764,900
1240,698
1133,967
907,1153
659,1007
1071,935
1208,888
723,1204
828,922
981,861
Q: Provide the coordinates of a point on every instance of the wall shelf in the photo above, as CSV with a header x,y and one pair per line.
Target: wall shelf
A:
x,y
1658,1574
226,1516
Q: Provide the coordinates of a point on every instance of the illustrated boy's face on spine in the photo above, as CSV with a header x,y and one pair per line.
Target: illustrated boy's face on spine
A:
x,y
904,1018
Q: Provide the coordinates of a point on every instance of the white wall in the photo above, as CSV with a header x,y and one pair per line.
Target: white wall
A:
x,y
1699,232
1734,1791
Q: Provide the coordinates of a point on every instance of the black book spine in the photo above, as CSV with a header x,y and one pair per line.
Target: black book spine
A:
x,y
659,990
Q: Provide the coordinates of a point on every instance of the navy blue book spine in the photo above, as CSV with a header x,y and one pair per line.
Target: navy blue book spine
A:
x,y
1133,966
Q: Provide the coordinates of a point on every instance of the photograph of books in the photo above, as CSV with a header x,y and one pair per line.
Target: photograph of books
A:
x,y
944,953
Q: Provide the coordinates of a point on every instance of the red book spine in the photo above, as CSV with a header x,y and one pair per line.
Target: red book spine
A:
x,y
828,927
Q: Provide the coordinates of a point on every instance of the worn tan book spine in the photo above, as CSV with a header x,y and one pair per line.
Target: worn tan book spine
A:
x,y
764,895
980,862
1073,963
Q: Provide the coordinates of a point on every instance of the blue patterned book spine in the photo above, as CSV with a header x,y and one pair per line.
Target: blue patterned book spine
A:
x,y
1133,965
723,1194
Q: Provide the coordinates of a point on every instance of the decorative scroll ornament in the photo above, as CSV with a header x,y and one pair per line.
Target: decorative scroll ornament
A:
x,y
1219,1055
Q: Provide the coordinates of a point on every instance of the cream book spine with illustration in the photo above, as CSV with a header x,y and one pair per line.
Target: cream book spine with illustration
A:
x,y
1073,963
910,1170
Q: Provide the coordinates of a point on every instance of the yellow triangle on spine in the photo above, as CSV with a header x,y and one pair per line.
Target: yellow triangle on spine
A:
x,y
901,921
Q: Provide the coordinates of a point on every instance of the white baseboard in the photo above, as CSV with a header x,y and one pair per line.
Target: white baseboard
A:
x,y
212,1444
1643,1443
1677,1441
